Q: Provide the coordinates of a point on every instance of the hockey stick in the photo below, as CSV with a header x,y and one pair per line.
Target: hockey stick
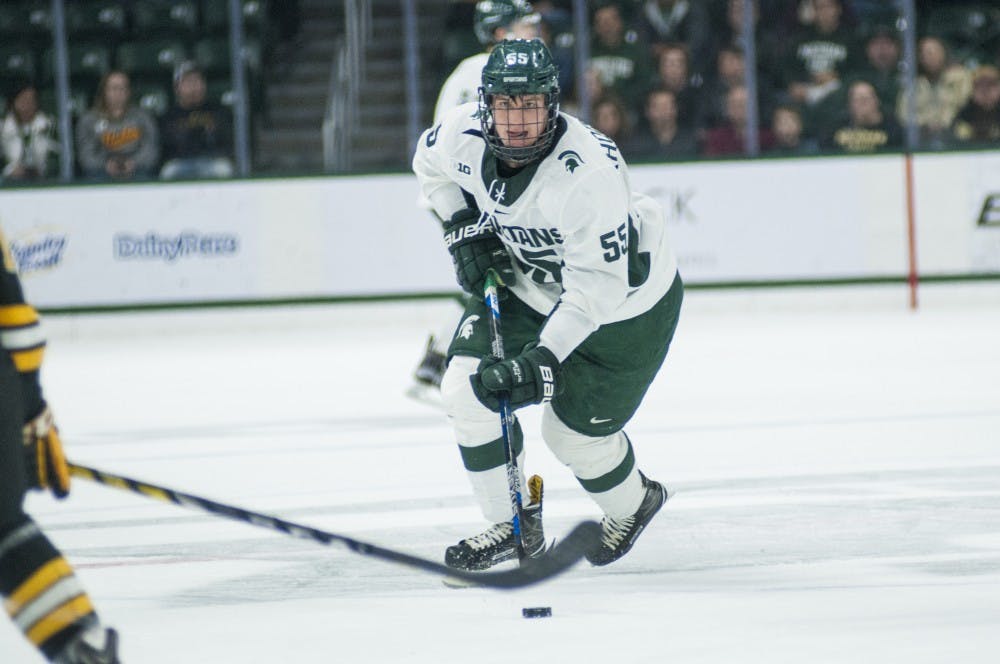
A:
x,y
564,555
492,297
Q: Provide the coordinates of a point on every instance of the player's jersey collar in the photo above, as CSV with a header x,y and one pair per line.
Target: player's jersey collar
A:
x,y
515,185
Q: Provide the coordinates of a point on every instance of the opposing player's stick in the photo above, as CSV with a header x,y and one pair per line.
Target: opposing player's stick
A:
x,y
564,555
492,298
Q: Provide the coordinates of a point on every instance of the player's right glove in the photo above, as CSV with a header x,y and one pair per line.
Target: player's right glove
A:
x,y
43,455
474,251
529,378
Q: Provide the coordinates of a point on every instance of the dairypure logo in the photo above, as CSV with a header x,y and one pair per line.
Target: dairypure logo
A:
x,y
170,248
38,253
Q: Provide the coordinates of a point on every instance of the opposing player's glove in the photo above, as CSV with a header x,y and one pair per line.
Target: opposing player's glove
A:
x,y
475,250
531,377
43,455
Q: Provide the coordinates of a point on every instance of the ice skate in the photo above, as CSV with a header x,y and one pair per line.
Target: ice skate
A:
x,y
619,535
94,646
497,544
427,376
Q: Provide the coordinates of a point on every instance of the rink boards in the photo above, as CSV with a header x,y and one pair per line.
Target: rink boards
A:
x,y
360,236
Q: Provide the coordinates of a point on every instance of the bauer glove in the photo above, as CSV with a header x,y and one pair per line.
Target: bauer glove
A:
x,y
529,378
43,455
475,249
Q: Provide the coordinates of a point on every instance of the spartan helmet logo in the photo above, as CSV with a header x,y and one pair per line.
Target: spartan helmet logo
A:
x,y
571,159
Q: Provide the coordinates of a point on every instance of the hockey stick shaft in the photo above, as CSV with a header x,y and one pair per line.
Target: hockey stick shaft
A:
x,y
492,297
567,553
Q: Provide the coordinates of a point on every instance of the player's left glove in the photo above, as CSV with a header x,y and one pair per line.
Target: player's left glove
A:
x,y
530,378
43,455
475,249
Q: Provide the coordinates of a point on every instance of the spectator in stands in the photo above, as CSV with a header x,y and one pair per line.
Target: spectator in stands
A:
x,y
610,117
881,67
27,137
116,140
673,74
820,55
662,23
769,43
556,29
729,137
789,135
618,56
865,127
662,135
731,72
978,123
197,136
942,88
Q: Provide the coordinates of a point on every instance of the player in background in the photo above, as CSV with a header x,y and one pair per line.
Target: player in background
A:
x,y
41,592
495,21
592,295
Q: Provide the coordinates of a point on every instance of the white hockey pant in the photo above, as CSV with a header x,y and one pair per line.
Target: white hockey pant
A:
x,y
587,456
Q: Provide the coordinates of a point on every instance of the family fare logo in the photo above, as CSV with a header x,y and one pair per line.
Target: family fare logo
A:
x,y
169,248
36,254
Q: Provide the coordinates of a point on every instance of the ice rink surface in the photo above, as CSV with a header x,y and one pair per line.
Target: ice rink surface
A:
x,y
835,458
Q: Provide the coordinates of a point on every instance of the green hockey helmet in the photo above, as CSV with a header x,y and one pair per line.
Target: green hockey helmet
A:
x,y
493,14
515,68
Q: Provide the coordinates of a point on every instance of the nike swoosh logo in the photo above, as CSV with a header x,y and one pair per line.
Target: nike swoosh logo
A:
x,y
594,420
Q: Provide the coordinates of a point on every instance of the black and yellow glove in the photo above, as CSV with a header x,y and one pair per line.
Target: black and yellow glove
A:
x,y
44,457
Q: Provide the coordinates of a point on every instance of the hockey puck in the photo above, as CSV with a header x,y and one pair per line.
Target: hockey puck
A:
x,y
537,612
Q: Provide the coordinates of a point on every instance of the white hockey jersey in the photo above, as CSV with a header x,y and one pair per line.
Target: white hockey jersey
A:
x,y
588,250
462,86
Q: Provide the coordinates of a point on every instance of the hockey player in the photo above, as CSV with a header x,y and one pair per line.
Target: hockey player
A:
x,y
41,593
495,21
592,295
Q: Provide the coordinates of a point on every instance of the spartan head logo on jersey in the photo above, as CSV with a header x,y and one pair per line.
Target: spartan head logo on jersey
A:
x,y
571,159
466,329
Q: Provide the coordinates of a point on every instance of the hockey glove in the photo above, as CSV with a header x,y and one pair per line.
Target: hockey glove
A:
x,y
474,251
531,377
43,455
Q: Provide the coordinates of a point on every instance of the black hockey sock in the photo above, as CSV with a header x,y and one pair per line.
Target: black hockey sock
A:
x,y
42,594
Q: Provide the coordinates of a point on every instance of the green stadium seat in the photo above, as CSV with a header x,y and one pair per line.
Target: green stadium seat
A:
x,y
87,63
12,21
220,91
215,16
153,97
79,100
177,17
90,18
212,53
17,62
38,19
156,57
